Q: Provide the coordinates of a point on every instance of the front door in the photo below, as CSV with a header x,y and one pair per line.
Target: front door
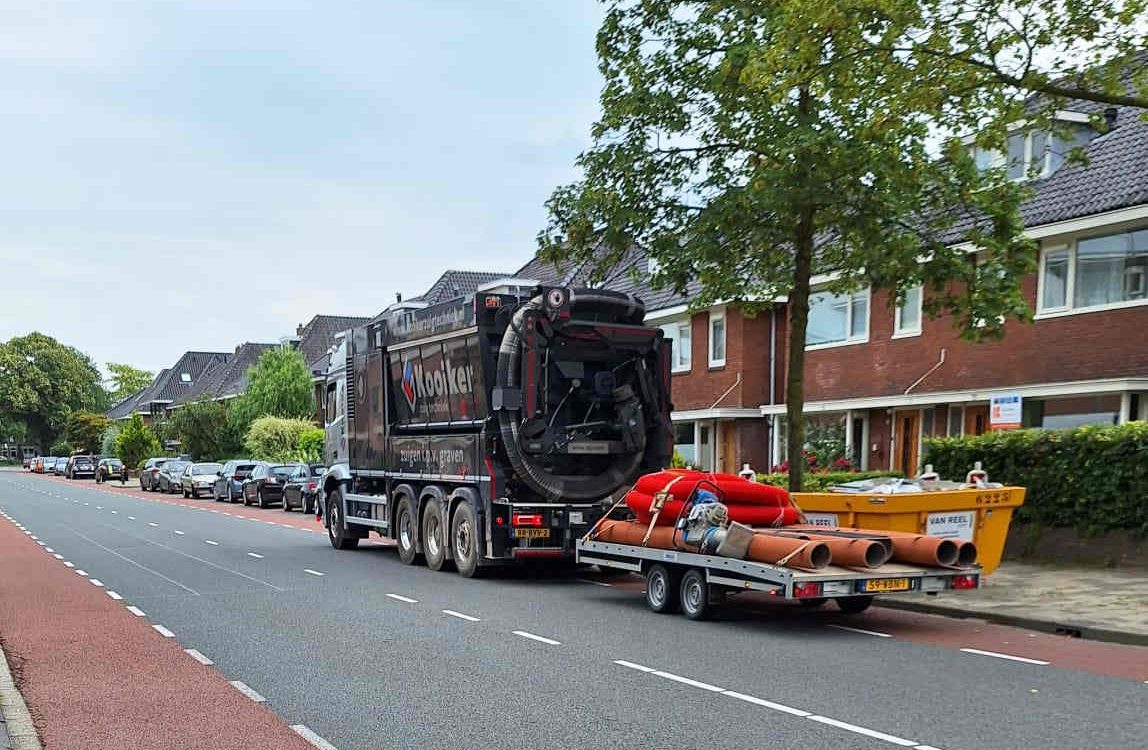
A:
x,y
976,419
908,426
727,456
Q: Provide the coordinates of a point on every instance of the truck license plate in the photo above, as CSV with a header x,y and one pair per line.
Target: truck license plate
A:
x,y
532,533
887,584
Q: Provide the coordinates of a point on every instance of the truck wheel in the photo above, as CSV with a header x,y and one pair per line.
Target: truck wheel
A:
x,y
695,593
464,540
662,589
854,605
434,535
336,529
406,532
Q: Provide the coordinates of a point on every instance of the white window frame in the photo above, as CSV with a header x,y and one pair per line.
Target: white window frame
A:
x,y
673,331
902,333
716,315
1068,308
849,340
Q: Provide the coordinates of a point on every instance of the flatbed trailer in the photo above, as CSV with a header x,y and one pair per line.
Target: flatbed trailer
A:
x,y
697,583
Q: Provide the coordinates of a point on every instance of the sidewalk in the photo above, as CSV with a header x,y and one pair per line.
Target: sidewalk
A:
x,y
1106,604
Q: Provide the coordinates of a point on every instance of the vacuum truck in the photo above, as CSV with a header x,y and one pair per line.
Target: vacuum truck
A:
x,y
493,428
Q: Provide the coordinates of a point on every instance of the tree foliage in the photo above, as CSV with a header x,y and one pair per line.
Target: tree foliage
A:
x,y
747,147
43,381
108,439
278,439
278,385
126,380
136,443
85,430
203,430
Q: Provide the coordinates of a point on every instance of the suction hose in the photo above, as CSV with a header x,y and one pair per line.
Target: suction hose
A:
x,y
553,487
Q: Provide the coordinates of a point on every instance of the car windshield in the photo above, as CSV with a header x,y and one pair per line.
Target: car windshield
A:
x,y
175,466
317,471
206,468
282,472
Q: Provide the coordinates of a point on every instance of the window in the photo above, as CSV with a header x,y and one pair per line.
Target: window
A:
x,y
684,442
185,377
956,420
838,318
1036,153
1097,272
717,338
679,334
908,315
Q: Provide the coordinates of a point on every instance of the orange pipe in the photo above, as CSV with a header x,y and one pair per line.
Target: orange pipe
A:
x,y
920,549
809,554
854,553
966,554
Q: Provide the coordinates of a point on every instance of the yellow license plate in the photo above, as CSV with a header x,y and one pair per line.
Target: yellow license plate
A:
x,y
887,584
532,533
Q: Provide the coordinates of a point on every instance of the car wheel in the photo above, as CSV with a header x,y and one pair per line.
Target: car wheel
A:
x,y
464,540
408,529
286,504
434,535
262,500
195,494
336,529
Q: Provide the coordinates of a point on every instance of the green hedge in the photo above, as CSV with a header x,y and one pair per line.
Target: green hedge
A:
x,y
1092,479
821,481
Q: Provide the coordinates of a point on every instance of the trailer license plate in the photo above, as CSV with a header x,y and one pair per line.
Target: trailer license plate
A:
x,y
887,584
532,533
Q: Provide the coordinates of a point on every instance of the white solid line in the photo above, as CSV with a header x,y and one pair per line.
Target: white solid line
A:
x,y
688,681
539,638
163,631
137,611
460,615
1010,657
766,704
212,542
632,665
149,523
177,531
596,583
96,582
313,572
402,598
314,739
114,595
199,657
862,730
862,631
246,690
256,555
81,572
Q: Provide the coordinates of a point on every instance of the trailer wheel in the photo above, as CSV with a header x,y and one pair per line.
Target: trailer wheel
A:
x,y
406,532
336,529
434,535
464,540
814,603
662,589
695,594
854,605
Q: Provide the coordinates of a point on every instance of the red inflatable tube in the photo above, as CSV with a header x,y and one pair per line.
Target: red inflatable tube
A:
x,y
750,515
732,489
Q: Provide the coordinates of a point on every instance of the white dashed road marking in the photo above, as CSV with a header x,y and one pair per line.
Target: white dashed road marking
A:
x,y
256,555
314,739
212,542
402,598
149,523
96,582
460,615
137,611
313,572
199,657
1010,657
539,638
862,631
114,595
177,531
632,665
862,730
81,572
70,565
246,690
688,681
163,631
767,704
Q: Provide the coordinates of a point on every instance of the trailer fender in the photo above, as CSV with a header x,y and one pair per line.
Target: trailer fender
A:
x,y
459,495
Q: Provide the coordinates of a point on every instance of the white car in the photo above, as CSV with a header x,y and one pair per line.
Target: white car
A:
x,y
198,478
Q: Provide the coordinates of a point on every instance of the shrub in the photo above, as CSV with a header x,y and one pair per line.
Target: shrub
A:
x,y
136,443
822,481
1092,478
279,439
311,445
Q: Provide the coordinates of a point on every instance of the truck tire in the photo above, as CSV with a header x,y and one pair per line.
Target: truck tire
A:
x,y
434,534
464,540
662,589
854,605
336,529
407,532
695,595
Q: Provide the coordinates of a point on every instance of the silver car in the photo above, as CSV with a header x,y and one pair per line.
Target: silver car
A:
x,y
198,478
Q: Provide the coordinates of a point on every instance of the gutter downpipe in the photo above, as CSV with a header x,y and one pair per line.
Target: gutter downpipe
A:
x,y
772,376
932,369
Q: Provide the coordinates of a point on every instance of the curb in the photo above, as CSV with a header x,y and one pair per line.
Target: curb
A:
x,y
21,732
1066,628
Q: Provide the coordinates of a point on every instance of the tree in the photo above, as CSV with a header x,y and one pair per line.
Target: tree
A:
x,y
204,431
747,147
42,382
126,381
278,385
85,430
136,443
108,440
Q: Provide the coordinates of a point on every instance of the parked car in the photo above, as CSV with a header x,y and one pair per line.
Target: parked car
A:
x,y
149,474
43,464
302,488
265,485
229,482
60,466
109,468
198,478
29,461
169,475
79,467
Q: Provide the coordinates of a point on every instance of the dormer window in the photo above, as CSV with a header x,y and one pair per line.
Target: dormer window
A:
x,y
185,377
1036,153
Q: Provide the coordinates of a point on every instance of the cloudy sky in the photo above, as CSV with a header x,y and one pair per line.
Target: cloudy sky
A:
x,y
191,174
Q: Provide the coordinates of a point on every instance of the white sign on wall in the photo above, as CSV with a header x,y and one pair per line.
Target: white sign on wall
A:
x,y
1005,412
951,525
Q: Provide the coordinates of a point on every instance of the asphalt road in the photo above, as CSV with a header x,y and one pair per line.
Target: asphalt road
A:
x,y
370,653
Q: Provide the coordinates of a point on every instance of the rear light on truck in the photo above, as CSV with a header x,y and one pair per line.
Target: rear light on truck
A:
x,y
964,582
807,590
523,519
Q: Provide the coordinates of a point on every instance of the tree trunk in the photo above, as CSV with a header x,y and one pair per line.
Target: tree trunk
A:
x,y
795,366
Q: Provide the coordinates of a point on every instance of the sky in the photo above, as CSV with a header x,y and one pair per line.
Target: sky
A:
x,y
193,174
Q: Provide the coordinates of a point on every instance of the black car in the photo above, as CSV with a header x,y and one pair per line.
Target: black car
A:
x,y
169,474
229,486
303,487
265,485
149,474
79,467
109,468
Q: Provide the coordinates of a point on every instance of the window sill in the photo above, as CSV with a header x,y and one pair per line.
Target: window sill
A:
x,y
906,334
681,371
835,344
1062,312
716,366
